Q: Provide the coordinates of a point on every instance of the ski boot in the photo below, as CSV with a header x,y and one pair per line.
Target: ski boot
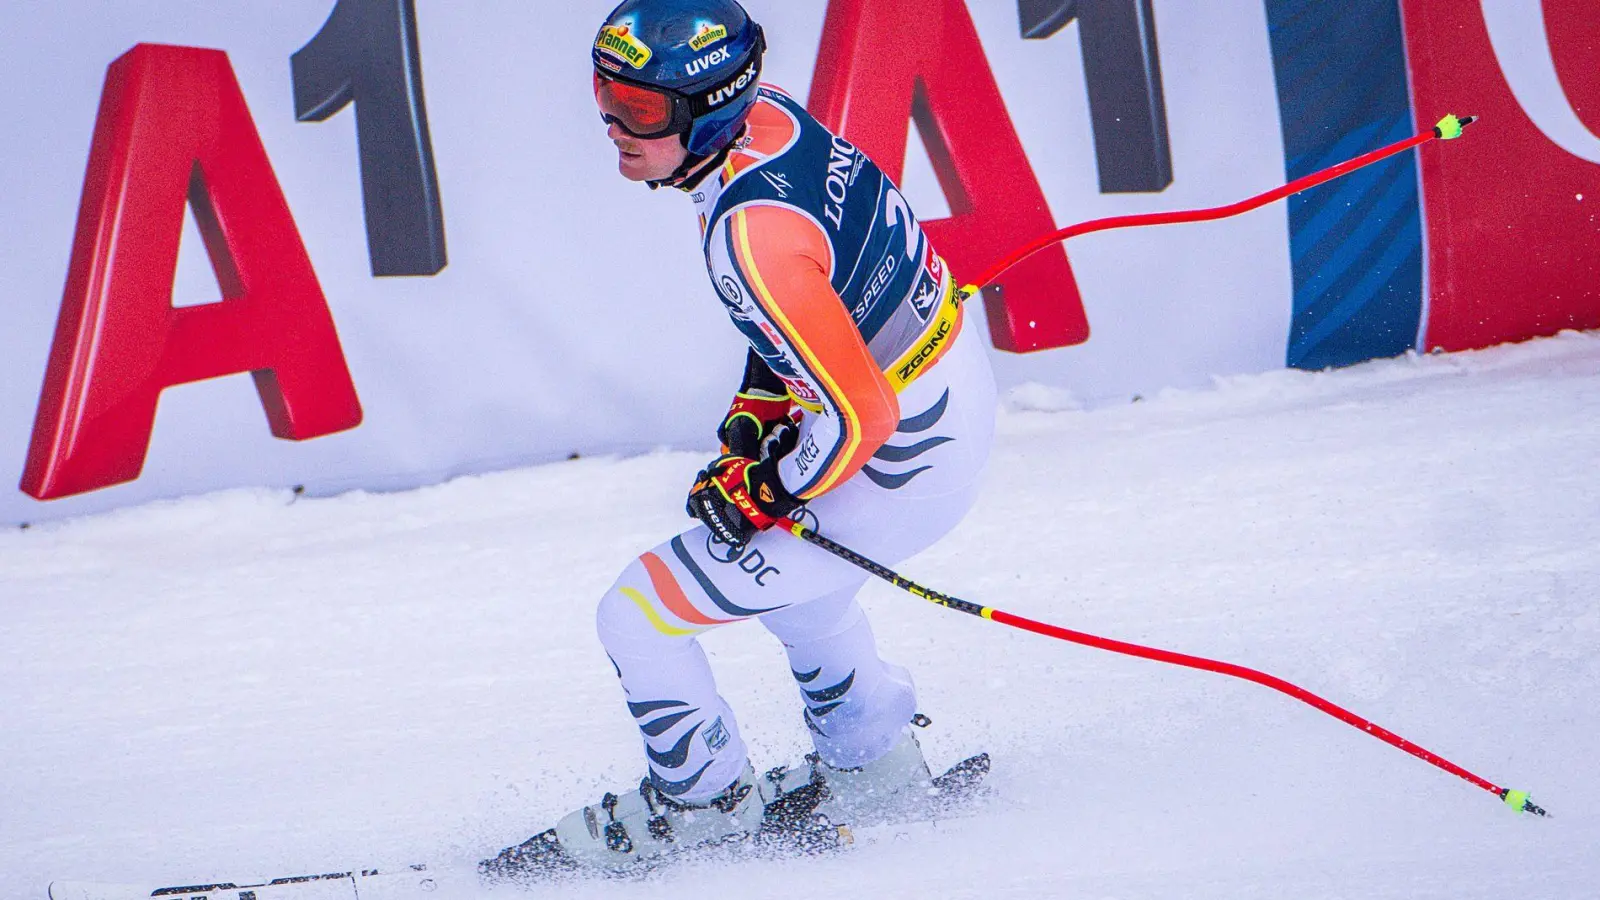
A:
x,y
897,785
637,830
632,831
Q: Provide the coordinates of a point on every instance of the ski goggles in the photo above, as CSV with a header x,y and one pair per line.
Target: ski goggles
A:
x,y
646,113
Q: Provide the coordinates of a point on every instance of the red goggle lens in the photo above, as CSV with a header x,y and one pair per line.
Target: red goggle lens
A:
x,y
642,111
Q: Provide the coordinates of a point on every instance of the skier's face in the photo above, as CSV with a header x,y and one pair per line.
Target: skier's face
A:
x,y
639,159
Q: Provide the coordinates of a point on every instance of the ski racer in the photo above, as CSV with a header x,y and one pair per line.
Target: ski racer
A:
x,y
866,412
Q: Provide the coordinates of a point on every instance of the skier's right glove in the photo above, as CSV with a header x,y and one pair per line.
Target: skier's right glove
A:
x,y
736,497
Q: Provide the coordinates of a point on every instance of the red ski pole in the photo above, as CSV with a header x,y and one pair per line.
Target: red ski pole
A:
x,y
1517,800
1449,128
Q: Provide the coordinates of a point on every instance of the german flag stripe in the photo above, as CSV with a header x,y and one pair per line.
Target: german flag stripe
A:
x,y
672,595
649,610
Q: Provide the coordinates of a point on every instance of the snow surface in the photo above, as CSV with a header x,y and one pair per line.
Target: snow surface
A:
x,y
245,684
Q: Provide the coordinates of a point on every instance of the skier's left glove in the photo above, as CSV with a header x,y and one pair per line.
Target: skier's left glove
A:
x,y
757,424
736,497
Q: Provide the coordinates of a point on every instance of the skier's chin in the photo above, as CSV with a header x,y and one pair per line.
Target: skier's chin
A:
x,y
635,166
648,160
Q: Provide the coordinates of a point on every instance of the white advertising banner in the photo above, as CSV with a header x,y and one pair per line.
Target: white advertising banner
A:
x,y
574,314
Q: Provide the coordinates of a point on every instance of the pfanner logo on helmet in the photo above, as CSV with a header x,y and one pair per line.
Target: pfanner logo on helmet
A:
x,y
618,40
707,35
731,90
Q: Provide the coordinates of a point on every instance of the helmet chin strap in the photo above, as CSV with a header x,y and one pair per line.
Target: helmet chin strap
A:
x,y
680,177
680,173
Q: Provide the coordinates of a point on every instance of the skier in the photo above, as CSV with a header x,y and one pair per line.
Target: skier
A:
x,y
866,412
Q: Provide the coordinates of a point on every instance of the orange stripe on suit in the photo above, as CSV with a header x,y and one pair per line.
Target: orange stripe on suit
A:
x,y
671,594
786,258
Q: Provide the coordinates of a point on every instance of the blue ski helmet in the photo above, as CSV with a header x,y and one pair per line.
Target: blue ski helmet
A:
x,y
685,67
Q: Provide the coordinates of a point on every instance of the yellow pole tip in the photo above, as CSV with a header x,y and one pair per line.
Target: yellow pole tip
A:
x,y
1516,799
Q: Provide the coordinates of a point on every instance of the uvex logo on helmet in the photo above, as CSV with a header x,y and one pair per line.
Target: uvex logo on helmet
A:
x,y
729,91
715,58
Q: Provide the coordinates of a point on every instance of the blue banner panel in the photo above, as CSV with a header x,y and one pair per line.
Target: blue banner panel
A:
x,y
1356,243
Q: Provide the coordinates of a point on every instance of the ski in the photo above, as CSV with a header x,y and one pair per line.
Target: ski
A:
x,y
963,780
958,786
791,829
410,883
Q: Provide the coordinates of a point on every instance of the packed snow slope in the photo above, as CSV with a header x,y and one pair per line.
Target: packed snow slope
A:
x,y
246,684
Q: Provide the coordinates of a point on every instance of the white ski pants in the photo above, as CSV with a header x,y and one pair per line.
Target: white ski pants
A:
x,y
915,489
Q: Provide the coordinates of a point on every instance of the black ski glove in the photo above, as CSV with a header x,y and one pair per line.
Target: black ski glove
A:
x,y
760,409
736,497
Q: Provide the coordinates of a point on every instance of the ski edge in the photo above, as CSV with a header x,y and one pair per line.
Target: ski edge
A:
x,y
351,884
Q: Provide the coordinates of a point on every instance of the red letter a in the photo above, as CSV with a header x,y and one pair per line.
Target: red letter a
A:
x,y
172,126
886,61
